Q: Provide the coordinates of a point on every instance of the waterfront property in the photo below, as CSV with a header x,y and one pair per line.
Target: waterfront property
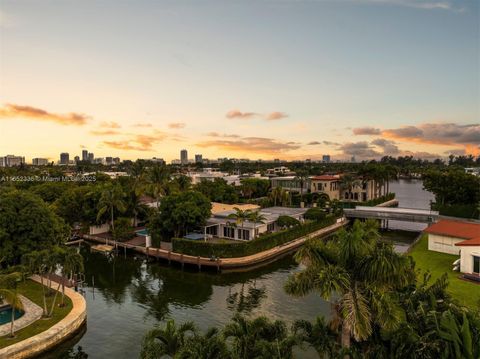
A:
x,y
221,225
444,235
360,190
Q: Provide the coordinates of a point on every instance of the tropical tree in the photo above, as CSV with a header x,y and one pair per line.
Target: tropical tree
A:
x,y
256,217
36,263
240,216
302,178
348,182
71,263
210,345
319,335
9,294
111,201
280,196
357,273
167,340
157,178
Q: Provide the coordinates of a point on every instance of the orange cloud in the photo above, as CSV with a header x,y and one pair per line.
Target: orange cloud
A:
x,y
256,145
15,111
137,142
104,132
276,116
142,125
176,125
111,124
240,115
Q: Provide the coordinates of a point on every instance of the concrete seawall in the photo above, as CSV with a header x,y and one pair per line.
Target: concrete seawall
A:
x,y
54,335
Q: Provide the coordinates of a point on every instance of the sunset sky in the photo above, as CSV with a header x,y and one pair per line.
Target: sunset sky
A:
x,y
288,79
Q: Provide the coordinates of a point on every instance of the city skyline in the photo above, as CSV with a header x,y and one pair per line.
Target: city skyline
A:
x,y
267,79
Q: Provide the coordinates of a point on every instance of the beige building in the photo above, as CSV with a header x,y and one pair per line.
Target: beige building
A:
x,y
328,184
470,256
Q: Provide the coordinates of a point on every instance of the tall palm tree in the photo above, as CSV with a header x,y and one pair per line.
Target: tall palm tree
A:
x,y
157,178
348,182
35,263
8,292
302,179
71,263
167,340
256,217
240,216
319,335
357,272
111,200
210,345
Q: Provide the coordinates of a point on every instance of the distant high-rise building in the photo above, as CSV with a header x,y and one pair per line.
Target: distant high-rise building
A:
x,y
84,155
39,161
11,161
76,159
116,160
91,157
198,158
326,158
108,161
64,158
184,157
353,160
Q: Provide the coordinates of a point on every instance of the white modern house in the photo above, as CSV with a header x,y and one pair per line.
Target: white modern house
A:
x,y
221,226
458,238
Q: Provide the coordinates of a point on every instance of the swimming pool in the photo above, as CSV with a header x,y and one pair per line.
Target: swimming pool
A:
x,y
6,315
142,232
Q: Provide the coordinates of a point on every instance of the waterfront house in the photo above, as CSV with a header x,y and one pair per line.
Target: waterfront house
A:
x,y
221,226
459,238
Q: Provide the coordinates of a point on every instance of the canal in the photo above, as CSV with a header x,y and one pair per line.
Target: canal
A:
x,y
130,295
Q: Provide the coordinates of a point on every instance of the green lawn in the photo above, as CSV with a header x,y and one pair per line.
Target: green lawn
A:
x,y
465,292
33,291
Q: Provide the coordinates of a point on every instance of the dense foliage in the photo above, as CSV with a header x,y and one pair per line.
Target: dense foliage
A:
x,y
315,214
27,224
218,191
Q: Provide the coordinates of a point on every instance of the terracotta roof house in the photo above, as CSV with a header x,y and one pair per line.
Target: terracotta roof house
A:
x,y
459,238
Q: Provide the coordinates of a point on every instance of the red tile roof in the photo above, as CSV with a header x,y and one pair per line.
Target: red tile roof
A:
x,y
470,242
326,178
455,229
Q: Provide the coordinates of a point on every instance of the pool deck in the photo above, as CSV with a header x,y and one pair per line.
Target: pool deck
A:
x,y
219,264
32,313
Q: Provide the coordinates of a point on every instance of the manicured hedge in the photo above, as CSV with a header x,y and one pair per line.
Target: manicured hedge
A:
x,y
231,249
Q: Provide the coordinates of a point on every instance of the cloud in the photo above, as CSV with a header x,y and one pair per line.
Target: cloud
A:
x,y
216,134
104,132
276,116
142,125
256,145
389,147
236,114
447,5
34,113
313,143
361,149
137,142
330,143
176,125
110,124
366,131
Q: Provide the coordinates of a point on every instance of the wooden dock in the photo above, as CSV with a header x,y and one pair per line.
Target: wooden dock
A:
x,y
219,264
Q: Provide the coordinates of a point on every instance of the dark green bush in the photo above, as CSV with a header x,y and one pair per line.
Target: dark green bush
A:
x,y
231,249
287,221
457,210
315,214
123,230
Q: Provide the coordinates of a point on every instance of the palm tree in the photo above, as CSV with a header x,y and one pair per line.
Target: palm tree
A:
x,y
319,335
111,200
166,341
250,338
240,216
256,217
302,179
348,182
8,292
361,272
210,345
35,263
157,179
71,263
279,196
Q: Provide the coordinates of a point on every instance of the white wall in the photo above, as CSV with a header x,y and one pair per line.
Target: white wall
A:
x,y
101,228
443,244
466,258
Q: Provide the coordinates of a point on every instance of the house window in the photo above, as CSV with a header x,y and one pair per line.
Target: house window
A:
x,y
244,234
271,227
228,232
476,264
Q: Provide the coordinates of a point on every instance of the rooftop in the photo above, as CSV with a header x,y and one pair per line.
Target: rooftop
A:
x,y
223,207
470,242
326,178
458,229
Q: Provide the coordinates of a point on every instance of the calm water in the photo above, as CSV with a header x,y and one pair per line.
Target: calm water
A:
x,y
130,295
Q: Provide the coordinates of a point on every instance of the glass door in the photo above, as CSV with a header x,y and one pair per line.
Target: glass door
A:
x,y
476,264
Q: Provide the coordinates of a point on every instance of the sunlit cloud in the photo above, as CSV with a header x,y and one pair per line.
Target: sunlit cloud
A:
x,y
10,111
236,114
366,131
176,125
104,132
141,125
216,134
111,124
253,145
276,116
138,142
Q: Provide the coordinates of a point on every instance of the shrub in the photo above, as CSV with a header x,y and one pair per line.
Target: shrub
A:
x,y
287,221
457,210
315,214
123,229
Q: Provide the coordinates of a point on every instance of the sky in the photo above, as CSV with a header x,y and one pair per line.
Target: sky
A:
x,y
287,79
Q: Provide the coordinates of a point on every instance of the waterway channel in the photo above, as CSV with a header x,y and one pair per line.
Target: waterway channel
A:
x,y
126,296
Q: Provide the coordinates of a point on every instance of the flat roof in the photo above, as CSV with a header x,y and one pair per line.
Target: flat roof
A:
x,y
222,207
